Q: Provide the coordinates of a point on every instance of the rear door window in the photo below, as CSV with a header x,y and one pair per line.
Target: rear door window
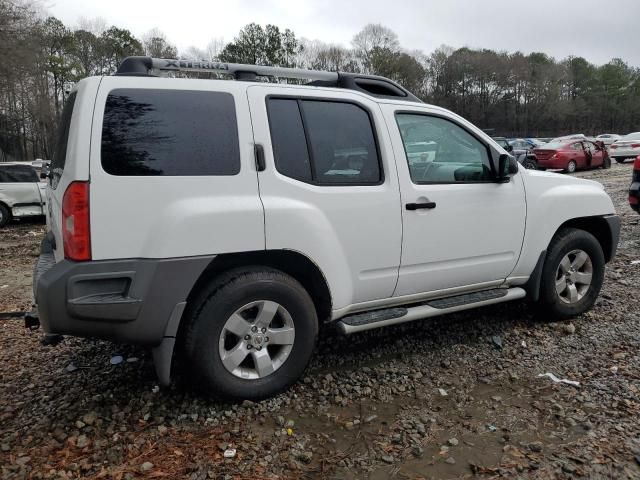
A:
x,y
17,174
60,153
151,132
324,142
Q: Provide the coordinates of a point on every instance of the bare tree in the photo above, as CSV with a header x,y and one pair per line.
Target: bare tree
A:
x,y
374,36
214,48
155,44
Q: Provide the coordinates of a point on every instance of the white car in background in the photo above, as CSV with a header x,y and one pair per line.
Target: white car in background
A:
x,y
608,138
625,148
21,192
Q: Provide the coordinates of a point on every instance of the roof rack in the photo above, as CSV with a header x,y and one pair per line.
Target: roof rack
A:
x,y
369,84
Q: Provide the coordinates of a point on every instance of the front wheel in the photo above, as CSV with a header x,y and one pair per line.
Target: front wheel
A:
x,y
251,334
571,166
572,274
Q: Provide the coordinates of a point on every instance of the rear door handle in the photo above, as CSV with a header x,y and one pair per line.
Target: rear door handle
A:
x,y
261,165
416,206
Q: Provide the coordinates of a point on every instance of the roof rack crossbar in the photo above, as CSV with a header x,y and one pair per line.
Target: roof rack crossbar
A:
x,y
145,66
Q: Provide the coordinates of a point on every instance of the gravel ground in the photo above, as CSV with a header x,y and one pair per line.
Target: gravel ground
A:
x,y
444,398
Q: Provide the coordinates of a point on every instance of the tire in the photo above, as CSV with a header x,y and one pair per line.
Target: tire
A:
x,y
530,164
556,301
571,166
5,215
606,163
228,302
619,160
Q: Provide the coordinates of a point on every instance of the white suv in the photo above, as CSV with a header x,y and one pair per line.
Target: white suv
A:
x,y
232,218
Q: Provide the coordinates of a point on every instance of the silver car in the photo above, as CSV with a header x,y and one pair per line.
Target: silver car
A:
x,y
21,192
608,138
625,148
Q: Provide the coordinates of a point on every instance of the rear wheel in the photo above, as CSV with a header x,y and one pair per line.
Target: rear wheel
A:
x,y
571,166
5,215
619,159
251,334
572,274
530,163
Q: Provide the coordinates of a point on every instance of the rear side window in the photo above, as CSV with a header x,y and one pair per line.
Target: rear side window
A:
x,y
60,153
288,139
170,133
17,173
324,142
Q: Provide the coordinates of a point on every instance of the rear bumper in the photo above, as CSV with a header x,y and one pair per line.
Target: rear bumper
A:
x,y
128,301
19,210
553,164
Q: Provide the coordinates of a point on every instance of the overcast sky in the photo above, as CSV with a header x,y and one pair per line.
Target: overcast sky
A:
x,y
595,29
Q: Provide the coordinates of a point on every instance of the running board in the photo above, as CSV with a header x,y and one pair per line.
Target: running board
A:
x,y
433,308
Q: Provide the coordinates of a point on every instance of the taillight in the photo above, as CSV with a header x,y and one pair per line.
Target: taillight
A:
x,y
633,200
635,145
636,163
76,235
556,156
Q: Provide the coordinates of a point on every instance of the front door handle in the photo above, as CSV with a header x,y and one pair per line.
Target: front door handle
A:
x,y
416,206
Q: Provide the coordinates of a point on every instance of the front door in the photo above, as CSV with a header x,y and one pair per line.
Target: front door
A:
x,y
461,229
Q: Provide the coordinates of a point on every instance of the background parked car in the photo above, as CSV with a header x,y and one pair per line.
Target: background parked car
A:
x,y
608,138
634,190
522,155
571,155
626,147
575,136
525,143
21,192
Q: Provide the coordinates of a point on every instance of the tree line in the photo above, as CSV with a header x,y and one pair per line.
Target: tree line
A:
x,y
509,94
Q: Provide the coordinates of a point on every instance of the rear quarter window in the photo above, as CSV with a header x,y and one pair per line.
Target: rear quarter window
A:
x,y
150,132
62,139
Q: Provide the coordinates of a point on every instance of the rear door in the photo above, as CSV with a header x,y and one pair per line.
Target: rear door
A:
x,y
578,155
330,188
172,169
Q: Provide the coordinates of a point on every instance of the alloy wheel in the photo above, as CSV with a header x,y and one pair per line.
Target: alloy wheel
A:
x,y
256,339
573,276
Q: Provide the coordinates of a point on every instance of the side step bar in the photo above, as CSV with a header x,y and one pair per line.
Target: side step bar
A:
x,y
360,322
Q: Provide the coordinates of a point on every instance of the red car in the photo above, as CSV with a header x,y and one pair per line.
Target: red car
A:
x,y
634,190
571,155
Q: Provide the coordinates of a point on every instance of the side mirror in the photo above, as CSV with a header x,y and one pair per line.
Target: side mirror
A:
x,y
507,166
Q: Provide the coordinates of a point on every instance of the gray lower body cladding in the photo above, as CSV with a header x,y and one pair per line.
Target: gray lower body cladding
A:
x,y
128,301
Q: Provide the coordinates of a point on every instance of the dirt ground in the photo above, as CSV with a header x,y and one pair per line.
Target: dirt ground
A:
x,y
453,397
